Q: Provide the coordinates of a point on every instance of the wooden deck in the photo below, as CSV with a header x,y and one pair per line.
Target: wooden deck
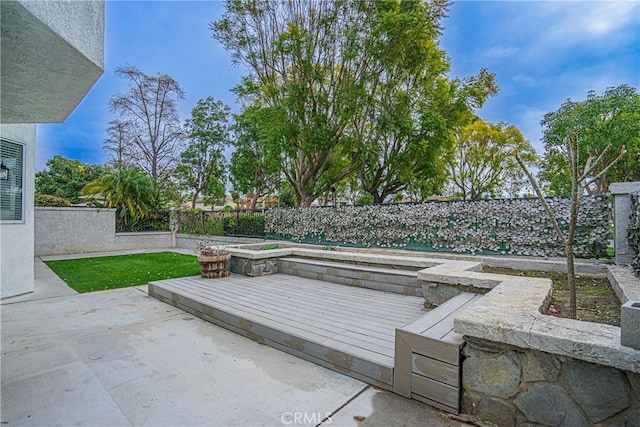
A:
x,y
348,329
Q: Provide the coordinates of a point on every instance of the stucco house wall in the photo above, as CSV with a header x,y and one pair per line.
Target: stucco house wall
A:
x,y
16,239
52,52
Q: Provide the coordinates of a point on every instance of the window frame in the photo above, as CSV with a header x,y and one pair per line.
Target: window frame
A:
x,y
23,150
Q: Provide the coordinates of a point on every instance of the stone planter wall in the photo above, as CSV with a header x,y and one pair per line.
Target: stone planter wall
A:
x,y
511,386
254,267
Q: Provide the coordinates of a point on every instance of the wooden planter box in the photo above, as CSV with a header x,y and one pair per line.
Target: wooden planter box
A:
x,y
214,266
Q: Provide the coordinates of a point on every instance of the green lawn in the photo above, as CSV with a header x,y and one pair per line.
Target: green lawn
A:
x,y
121,271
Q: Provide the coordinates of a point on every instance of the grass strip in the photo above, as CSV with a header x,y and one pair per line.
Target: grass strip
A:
x,y
121,271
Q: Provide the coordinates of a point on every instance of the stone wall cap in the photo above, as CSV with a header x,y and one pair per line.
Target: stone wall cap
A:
x,y
511,314
73,208
624,187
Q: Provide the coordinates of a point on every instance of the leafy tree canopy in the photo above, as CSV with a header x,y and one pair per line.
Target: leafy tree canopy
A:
x,y
484,162
202,163
128,189
610,119
65,178
253,171
323,74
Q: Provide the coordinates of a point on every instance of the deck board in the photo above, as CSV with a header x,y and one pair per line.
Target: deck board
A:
x,y
345,328
272,304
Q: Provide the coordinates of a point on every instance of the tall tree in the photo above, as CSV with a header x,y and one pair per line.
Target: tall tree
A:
x,y
119,143
331,76
484,162
65,178
412,108
610,119
202,163
307,63
151,111
253,172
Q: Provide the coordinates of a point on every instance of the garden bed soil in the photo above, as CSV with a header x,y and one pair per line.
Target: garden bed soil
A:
x,y
596,300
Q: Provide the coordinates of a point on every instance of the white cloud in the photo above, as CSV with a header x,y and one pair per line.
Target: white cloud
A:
x,y
498,52
554,31
582,22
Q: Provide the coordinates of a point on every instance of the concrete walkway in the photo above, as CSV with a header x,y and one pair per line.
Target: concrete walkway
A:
x,y
120,358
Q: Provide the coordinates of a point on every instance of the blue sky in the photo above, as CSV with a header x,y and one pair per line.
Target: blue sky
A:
x,y
542,53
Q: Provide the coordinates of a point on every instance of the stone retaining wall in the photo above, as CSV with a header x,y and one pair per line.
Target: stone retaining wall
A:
x,y
511,386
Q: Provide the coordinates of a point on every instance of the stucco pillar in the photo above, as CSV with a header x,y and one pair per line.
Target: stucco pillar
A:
x,y
621,211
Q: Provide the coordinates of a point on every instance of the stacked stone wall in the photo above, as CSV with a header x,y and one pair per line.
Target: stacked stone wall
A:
x,y
511,386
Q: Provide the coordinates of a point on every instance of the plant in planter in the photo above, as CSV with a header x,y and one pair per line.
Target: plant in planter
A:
x,y
214,262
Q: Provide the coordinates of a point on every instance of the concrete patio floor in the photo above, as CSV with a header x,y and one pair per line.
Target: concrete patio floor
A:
x,y
119,358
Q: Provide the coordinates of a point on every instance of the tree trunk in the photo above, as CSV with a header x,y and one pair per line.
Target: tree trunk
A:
x,y
193,201
571,278
576,189
254,200
306,200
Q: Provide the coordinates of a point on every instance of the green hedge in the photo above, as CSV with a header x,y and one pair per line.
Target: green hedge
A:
x,y
154,221
51,201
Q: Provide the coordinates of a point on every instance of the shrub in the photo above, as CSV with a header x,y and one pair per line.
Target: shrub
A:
x,y
251,225
52,201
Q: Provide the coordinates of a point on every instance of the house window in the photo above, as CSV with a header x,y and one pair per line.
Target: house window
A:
x,y
11,182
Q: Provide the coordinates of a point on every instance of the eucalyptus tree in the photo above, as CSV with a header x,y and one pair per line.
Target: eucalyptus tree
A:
x,y
202,164
612,120
150,109
307,63
484,162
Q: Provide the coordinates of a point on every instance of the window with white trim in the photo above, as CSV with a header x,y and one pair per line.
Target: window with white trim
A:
x,y
11,181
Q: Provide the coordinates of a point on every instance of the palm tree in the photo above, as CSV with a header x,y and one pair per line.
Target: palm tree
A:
x,y
128,189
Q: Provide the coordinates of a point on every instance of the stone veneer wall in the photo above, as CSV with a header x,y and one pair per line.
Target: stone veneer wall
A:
x,y
511,386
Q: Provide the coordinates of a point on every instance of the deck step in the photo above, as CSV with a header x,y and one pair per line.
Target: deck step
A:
x,y
346,329
385,279
427,355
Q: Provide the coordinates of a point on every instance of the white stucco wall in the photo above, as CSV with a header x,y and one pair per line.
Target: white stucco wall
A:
x,y
16,240
80,23
52,52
